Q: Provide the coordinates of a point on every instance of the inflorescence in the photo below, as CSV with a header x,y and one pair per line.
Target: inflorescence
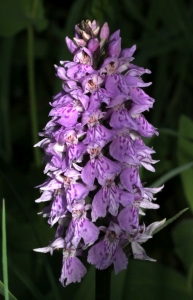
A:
x,y
94,149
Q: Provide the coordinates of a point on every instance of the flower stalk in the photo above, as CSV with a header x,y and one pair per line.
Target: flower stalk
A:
x,y
103,284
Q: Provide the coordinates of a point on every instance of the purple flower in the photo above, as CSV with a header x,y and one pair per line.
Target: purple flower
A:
x,y
108,250
140,235
73,71
109,196
58,208
98,166
72,268
96,131
94,150
56,244
92,84
81,227
121,118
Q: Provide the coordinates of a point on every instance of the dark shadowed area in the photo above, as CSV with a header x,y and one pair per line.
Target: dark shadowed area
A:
x,y
32,33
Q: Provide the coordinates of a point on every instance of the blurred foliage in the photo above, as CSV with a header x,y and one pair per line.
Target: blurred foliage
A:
x,y
163,33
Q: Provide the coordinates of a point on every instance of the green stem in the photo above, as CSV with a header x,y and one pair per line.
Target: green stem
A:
x,y
4,252
103,284
189,280
32,98
5,131
34,7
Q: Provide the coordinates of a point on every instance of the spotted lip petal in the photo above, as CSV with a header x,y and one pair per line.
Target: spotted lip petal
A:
x,y
108,251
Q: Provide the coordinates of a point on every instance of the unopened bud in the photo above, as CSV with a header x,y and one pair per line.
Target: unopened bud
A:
x,y
96,31
115,48
72,47
83,24
89,23
94,24
86,36
115,36
78,31
104,34
80,42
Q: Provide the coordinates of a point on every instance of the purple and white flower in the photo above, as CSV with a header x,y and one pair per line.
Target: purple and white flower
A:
x,y
109,250
94,150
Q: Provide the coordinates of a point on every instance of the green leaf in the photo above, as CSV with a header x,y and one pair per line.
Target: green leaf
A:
x,y
38,231
26,281
172,132
6,55
4,287
141,281
137,14
170,220
185,154
12,17
147,280
183,239
89,281
4,253
52,281
172,174
84,290
11,297
16,15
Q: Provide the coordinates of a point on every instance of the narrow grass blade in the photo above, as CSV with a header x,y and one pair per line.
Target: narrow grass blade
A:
x,y
170,220
4,253
171,174
51,277
11,297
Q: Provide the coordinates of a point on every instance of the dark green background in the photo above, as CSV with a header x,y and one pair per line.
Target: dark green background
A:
x,y
163,33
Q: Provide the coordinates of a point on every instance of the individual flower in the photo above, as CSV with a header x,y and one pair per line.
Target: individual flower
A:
x,y
109,250
110,196
141,235
80,226
72,268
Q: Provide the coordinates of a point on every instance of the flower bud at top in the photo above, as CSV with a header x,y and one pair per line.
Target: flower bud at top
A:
x,y
96,31
104,34
71,45
86,36
80,42
115,48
